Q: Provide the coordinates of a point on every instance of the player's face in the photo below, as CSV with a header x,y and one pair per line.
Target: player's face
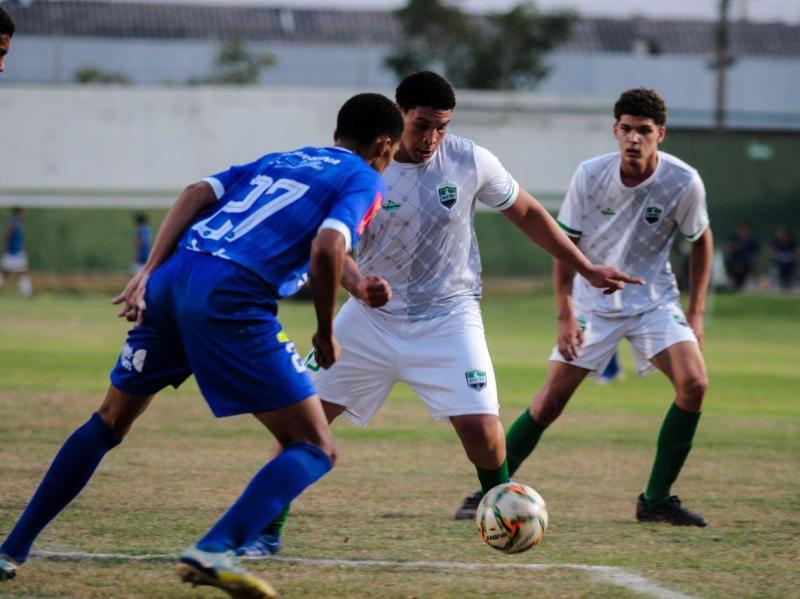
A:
x,y
638,139
5,46
423,130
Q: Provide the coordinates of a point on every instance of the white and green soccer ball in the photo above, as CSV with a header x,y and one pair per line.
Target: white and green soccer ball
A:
x,y
511,518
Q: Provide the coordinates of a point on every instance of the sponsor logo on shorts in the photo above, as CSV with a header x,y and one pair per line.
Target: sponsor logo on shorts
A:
x,y
607,212
652,214
680,319
476,379
311,362
448,195
581,323
132,360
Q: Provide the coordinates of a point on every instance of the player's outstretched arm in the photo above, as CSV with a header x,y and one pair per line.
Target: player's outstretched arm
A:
x,y
326,267
530,217
373,290
191,202
700,260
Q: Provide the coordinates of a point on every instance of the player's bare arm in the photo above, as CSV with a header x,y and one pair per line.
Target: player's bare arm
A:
x,y
373,290
570,335
326,268
530,217
700,260
191,202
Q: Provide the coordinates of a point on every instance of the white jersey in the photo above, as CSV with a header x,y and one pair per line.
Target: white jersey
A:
x,y
632,228
423,240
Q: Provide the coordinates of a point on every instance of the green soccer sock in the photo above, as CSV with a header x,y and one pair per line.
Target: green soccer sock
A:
x,y
492,478
276,526
674,443
521,439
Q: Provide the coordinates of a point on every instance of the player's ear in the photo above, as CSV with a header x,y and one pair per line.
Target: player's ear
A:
x,y
662,133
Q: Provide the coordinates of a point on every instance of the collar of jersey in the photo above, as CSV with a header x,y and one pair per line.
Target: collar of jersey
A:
x,y
338,148
643,184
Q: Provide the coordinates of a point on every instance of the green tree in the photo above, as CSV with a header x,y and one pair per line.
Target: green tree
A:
x,y
235,65
95,75
499,51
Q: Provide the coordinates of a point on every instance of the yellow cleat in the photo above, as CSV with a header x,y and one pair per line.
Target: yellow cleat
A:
x,y
221,570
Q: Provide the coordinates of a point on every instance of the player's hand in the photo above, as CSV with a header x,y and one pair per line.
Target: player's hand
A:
x,y
570,338
374,291
695,320
610,279
326,350
133,298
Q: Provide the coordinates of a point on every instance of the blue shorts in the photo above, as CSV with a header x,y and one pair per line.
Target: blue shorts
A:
x,y
215,319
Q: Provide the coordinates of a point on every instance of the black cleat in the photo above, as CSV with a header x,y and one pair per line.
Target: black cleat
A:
x,y
469,507
670,511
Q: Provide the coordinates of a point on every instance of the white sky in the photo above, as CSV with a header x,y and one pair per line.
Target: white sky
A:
x,y
758,10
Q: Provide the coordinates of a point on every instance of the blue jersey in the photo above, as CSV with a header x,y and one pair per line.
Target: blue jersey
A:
x,y
143,241
268,212
14,246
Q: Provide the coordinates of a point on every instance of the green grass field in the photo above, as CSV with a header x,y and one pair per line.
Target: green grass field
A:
x,y
397,483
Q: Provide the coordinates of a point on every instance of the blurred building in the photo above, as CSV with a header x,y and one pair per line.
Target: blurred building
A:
x,y
159,43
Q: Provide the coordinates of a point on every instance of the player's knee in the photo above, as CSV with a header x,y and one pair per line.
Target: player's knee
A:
x,y
692,390
118,422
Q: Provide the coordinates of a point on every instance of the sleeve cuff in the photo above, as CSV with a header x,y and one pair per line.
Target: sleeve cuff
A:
x,y
337,225
568,230
512,196
696,235
218,188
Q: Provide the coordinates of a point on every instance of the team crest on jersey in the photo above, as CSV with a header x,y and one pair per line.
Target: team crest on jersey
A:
x,y
652,214
476,379
448,195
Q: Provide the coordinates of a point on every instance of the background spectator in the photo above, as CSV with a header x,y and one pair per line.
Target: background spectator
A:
x,y
741,251
784,257
143,241
14,259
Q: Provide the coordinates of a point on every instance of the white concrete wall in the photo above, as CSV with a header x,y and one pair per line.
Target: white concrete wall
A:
x,y
141,140
761,91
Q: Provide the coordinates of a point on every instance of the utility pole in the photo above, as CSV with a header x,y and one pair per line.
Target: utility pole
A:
x,y
722,61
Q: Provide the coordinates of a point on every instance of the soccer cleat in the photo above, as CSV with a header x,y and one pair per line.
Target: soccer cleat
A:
x,y
267,544
670,511
8,567
469,507
221,570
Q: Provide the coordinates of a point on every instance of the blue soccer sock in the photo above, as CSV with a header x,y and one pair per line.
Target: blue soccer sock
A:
x,y
71,469
272,488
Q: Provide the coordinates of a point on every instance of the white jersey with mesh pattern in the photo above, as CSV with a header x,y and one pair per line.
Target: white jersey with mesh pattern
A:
x,y
632,228
422,241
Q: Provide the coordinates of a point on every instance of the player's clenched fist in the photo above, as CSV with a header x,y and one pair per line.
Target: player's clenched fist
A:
x,y
374,291
326,350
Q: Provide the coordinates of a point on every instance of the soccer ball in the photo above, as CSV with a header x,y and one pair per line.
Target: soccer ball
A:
x,y
511,518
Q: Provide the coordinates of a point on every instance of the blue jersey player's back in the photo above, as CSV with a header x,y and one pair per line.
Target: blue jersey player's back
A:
x,y
268,212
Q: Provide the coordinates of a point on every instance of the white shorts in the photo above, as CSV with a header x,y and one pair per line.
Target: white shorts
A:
x,y
14,262
649,334
445,361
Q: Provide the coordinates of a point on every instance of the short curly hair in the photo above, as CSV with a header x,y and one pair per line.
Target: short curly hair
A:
x,y
7,26
425,88
365,117
641,101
